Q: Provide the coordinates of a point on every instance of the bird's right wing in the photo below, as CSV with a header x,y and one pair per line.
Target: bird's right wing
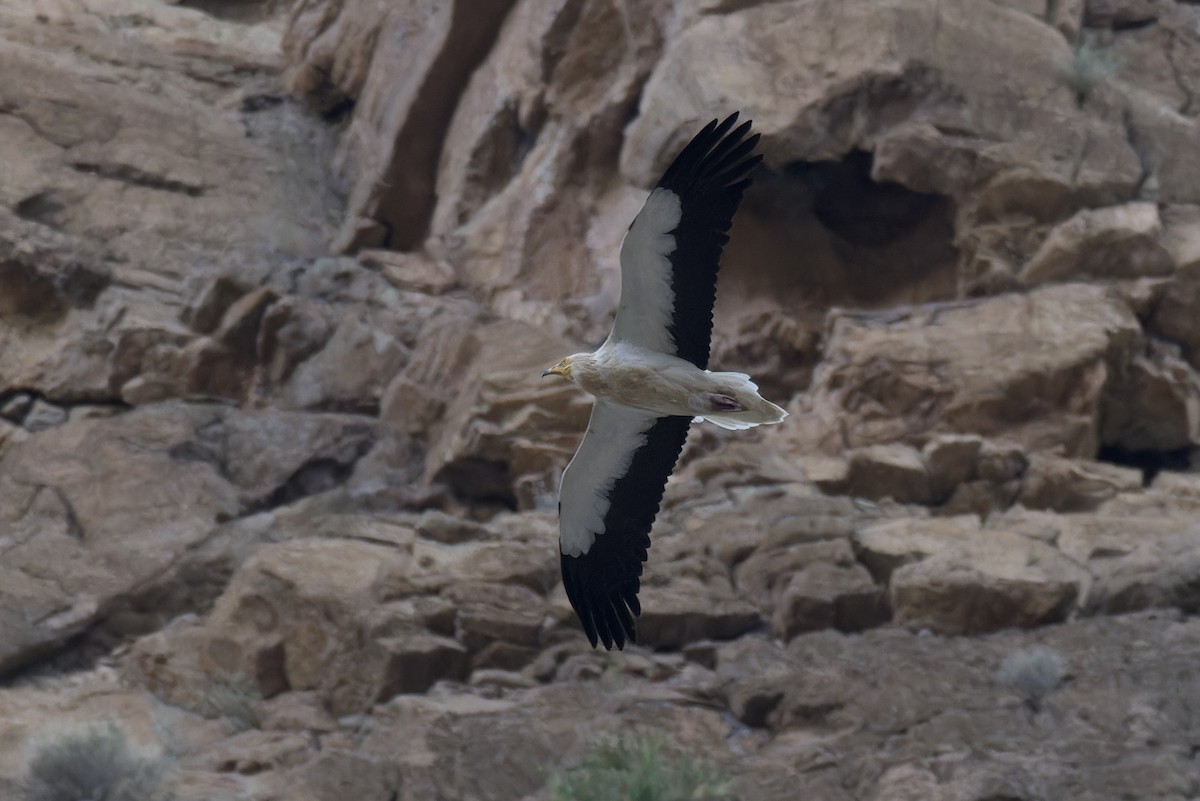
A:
x,y
670,256
610,495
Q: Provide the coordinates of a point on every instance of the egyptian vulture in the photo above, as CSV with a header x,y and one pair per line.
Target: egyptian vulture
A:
x,y
650,380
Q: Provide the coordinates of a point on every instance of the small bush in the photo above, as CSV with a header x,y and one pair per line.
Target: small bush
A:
x,y
1090,65
638,770
1032,674
92,765
232,698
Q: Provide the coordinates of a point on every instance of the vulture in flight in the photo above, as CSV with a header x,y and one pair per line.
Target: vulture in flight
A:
x,y
650,379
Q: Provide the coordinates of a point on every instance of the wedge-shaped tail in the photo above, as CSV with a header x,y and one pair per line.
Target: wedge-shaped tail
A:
x,y
738,406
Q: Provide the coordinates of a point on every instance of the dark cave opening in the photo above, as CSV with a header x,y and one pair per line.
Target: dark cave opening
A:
x,y
819,234
1151,463
846,239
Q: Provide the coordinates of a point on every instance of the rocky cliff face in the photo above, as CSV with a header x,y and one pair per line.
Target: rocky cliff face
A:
x,y
277,474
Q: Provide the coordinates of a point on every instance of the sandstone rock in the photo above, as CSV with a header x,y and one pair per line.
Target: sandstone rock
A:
x,y
889,471
44,274
505,436
1113,242
212,300
1069,485
490,613
352,590
951,460
150,146
1154,403
811,586
345,334
759,669
823,692
908,783
1158,134
410,272
1138,562
94,510
769,686
390,155
829,473
1049,356
289,619
502,109
279,457
1181,235
900,68
884,547
42,415
329,775
989,581
764,518
686,611
525,186
955,577
252,752
417,661
126,199
1171,315
293,329
451,530
130,118
294,712
350,371
35,717
829,595
417,397
1121,13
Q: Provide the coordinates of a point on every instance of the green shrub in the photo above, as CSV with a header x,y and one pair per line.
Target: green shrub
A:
x,y
1032,674
638,770
94,764
231,698
1090,65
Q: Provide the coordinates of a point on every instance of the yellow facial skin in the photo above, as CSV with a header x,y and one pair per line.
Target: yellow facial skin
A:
x,y
563,368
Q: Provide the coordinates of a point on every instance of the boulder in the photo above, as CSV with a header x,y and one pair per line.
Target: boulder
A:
x,y
291,619
688,610
990,582
915,60
1153,403
954,577
951,459
1072,485
1112,242
1138,562
95,510
893,471
506,433
1049,356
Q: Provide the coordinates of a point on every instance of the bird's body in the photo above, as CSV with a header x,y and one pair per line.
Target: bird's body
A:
x,y
651,380
666,385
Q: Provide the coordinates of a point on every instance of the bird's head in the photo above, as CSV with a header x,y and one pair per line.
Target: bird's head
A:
x,y
563,368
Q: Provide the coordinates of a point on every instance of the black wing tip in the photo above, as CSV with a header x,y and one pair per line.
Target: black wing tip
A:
x,y
715,157
607,613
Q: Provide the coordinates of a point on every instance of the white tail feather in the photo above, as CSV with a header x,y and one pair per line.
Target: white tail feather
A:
x,y
756,410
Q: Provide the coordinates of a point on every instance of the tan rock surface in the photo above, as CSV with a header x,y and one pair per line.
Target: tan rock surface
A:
x,y
277,472
1113,242
1031,368
78,535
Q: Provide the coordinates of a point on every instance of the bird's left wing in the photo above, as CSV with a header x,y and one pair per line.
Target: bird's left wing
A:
x,y
610,495
670,256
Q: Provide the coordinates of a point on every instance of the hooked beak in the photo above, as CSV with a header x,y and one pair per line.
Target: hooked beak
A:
x,y
558,369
